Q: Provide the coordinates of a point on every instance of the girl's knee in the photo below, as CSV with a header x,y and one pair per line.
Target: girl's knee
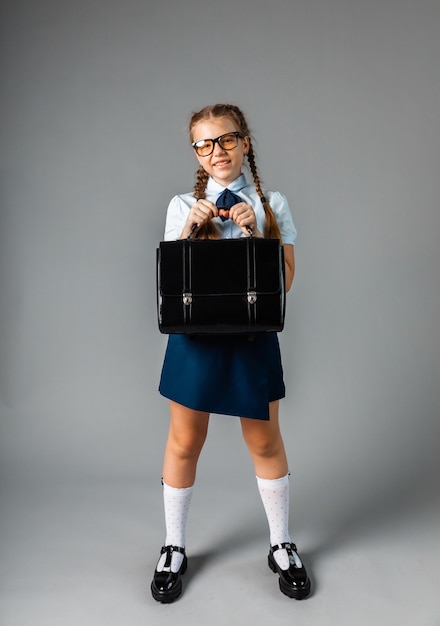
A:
x,y
264,448
186,444
263,444
264,439
188,430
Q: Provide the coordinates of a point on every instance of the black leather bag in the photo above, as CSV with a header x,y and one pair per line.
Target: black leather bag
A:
x,y
220,286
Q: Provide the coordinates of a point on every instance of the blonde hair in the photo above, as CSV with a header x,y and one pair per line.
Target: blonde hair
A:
x,y
208,230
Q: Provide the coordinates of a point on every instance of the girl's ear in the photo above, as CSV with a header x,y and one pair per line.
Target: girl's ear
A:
x,y
246,144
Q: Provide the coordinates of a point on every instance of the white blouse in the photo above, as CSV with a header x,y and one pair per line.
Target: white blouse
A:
x,y
180,206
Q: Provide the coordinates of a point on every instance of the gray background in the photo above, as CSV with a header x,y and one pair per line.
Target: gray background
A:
x,y
343,96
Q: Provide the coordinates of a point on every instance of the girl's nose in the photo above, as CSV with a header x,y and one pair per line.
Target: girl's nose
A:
x,y
218,149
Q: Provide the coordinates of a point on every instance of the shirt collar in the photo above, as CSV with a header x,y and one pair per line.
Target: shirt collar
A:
x,y
237,185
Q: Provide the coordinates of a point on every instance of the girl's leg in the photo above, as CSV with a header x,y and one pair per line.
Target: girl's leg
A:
x,y
265,444
186,437
187,434
266,447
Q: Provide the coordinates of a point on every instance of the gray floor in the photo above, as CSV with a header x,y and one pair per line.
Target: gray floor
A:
x,y
83,553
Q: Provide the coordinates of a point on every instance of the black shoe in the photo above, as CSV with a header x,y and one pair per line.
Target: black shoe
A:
x,y
167,586
294,581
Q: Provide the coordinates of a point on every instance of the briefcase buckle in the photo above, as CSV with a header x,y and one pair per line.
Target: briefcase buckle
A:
x,y
252,297
187,298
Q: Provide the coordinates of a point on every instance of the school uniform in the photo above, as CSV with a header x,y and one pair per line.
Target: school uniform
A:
x,y
227,375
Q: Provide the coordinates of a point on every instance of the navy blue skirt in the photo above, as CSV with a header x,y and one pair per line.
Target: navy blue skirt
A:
x,y
224,374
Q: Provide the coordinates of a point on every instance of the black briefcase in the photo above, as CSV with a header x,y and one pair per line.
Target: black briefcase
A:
x,y
220,286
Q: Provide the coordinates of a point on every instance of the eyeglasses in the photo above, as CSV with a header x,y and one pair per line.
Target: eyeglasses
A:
x,y
228,141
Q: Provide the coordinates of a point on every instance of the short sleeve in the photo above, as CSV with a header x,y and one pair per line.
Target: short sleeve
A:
x,y
177,213
281,209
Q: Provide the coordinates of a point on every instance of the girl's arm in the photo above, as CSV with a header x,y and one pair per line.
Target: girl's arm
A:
x,y
289,259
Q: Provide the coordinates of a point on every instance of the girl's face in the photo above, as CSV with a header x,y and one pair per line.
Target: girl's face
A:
x,y
223,165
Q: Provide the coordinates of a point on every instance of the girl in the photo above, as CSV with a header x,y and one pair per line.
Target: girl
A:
x,y
227,375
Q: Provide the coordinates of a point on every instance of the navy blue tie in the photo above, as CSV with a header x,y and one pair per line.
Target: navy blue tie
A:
x,y
226,200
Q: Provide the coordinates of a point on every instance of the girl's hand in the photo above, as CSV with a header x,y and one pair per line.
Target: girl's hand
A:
x,y
243,215
201,212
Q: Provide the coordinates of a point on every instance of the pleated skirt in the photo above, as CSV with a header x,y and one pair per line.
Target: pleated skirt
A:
x,y
227,375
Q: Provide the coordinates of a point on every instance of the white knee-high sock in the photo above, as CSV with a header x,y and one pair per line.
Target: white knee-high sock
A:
x,y
176,505
275,497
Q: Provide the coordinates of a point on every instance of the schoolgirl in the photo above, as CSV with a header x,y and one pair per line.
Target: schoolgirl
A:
x,y
226,375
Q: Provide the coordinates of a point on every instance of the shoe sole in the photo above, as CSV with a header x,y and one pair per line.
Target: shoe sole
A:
x,y
167,597
296,594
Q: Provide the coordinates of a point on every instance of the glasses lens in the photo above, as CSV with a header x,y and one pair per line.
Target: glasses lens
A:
x,y
204,147
229,141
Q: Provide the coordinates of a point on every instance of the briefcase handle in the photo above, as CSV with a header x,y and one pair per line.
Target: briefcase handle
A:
x,y
194,226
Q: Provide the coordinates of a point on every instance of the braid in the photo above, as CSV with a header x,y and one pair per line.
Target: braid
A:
x,y
271,228
201,181
208,230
